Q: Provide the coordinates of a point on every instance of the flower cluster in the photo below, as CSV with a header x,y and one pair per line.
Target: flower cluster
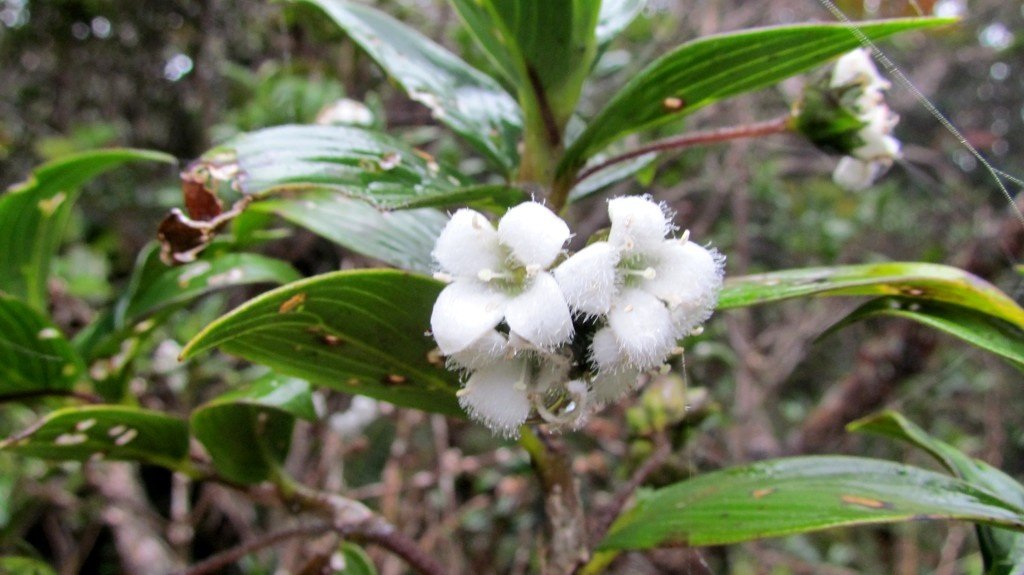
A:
x,y
877,148
536,332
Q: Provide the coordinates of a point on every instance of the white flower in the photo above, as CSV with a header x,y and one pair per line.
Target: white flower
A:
x,y
345,112
878,148
857,67
501,275
506,383
650,290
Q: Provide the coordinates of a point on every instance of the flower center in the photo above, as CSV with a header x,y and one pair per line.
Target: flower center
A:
x,y
635,268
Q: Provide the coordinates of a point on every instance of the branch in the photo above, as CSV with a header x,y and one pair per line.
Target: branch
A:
x,y
38,393
775,126
225,558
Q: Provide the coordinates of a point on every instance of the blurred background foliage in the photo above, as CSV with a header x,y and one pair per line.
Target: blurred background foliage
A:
x,y
183,75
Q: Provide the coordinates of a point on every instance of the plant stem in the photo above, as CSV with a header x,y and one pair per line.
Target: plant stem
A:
x,y
567,542
774,126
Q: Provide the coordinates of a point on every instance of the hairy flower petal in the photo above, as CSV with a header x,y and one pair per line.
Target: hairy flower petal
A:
x,y
588,278
488,349
685,274
468,244
637,223
611,385
533,233
643,327
465,311
496,395
540,314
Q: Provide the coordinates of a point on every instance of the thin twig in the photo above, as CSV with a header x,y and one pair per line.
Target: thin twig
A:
x,y
775,126
39,393
605,517
225,558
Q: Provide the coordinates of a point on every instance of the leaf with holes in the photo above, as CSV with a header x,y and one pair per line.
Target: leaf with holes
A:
x,y
713,68
362,332
105,431
985,331
35,357
798,495
916,281
182,284
248,431
465,99
33,215
1002,550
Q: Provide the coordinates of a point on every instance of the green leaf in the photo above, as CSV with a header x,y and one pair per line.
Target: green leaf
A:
x,y
248,431
348,160
107,431
1003,550
357,562
465,99
361,332
553,46
403,239
713,68
917,281
611,175
35,357
24,566
798,495
182,284
33,215
982,330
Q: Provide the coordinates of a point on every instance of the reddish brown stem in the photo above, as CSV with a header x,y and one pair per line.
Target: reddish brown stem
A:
x,y
775,126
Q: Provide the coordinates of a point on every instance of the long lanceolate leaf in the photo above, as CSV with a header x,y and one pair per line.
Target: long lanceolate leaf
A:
x,y
798,495
709,69
468,101
33,216
921,281
362,332
942,297
1002,550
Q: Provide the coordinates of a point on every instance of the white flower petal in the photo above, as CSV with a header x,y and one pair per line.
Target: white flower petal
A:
x,y
540,315
685,274
588,278
611,385
643,327
533,233
855,175
468,244
857,67
497,396
638,224
488,349
463,312
605,351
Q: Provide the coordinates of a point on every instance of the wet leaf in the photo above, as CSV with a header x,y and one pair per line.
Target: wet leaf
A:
x,y
35,357
465,99
713,68
801,494
352,162
1002,550
33,215
106,432
362,332
248,431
